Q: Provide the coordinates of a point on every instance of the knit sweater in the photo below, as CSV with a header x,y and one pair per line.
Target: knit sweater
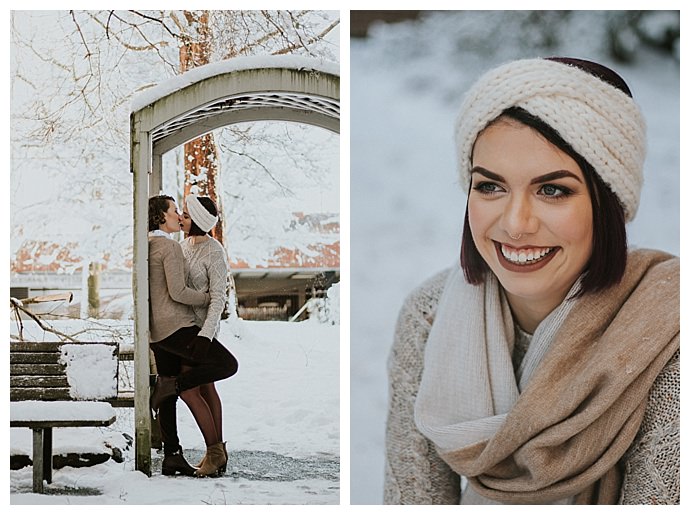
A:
x,y
207,270
415,474
170,300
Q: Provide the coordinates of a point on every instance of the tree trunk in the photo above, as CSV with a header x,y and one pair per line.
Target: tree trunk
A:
x,y
201,164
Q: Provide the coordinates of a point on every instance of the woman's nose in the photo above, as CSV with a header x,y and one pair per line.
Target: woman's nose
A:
x,y
518,217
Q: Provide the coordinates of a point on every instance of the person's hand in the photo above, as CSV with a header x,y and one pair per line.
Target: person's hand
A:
x,y
199,347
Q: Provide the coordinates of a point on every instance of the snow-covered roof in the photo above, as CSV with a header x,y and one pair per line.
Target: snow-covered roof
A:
x,y
178,82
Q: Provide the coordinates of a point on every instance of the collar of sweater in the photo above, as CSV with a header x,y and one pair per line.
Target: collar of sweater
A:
x,y
158,232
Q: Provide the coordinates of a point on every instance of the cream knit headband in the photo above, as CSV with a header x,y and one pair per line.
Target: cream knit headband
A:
x,y
600,122
199,215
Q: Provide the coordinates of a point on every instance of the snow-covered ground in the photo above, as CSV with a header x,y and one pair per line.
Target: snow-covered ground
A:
x,y
281,421
407,208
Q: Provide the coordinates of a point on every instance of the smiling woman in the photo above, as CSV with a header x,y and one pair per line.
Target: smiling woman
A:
x,y
545,368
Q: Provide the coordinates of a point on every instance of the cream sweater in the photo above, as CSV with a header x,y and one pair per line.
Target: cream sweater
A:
x,y
169,299
415,474
207,270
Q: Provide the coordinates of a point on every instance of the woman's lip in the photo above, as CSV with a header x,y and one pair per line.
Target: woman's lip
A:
x,y
522,247
512,267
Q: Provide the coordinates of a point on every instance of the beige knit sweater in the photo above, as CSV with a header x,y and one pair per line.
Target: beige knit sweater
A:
x,y
170,300
207,270
415,474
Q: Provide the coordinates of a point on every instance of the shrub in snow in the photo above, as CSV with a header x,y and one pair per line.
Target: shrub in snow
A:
x,y
326,310
91,370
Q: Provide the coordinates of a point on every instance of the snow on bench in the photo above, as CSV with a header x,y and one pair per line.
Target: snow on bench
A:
x,y
61,413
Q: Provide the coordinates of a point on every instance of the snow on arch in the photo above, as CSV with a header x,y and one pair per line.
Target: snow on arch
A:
x,y
178,82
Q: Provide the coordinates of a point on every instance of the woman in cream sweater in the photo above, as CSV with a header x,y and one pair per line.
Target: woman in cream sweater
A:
x,y
207,270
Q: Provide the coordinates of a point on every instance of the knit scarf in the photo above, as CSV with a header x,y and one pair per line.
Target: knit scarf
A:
x,y
559,432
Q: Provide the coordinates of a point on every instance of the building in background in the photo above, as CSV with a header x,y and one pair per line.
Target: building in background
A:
x,y
277,289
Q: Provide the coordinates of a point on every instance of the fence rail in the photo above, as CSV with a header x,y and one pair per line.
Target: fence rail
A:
x,y
263,313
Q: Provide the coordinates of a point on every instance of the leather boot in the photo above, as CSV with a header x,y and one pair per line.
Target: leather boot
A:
x,y
222,468
213,461
164,388
176,462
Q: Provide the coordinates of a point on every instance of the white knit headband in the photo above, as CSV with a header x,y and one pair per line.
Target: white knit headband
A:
x,y
199,215
599,121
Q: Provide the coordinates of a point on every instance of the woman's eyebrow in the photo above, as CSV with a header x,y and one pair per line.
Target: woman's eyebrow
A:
x,y
486,173
552,176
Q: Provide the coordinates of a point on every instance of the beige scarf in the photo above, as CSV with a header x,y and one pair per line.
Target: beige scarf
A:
x,y
558,434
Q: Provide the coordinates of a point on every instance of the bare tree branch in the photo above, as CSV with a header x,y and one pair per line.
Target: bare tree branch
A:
x,y
176,36
283,188
18,307
310,41
81,35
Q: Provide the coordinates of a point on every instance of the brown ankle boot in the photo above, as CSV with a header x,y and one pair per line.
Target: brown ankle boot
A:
x,y
165,387
174,463
222,468
213,461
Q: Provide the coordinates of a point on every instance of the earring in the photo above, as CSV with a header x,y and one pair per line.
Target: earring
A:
x,y
515,237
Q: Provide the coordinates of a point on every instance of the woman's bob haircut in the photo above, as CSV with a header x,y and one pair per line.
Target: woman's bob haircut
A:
x,y
606,266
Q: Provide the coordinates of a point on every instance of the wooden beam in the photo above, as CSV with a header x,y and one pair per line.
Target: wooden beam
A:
x,y
141,169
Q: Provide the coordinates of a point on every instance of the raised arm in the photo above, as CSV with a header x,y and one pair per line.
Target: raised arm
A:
x,y
173,264
218,283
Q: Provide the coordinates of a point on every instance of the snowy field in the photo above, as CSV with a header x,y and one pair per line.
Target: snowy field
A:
x,y
407,208
281,421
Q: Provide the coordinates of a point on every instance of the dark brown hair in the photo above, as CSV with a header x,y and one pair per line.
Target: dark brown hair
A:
x,y
158,205
211,208
609,242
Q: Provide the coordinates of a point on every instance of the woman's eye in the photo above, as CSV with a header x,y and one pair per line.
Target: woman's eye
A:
x,y
551,190
488,187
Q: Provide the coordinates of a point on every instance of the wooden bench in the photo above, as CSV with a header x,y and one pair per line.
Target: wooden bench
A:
x,y
61,384
42,416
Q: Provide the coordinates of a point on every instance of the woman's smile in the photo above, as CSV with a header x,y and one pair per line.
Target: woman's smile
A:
x,y
524,259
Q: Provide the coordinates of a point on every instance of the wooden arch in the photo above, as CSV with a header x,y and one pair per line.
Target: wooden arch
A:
x,y
284,88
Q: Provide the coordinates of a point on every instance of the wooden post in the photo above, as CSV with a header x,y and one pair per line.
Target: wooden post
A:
x,y
93,285
38,460
141,168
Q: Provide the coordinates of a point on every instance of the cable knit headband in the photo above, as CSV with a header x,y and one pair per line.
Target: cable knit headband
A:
x,y
199,215
599,121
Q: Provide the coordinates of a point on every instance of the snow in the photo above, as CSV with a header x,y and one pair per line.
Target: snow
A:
x,y
407,207
290,62
282,407
91,370
326,310
68,411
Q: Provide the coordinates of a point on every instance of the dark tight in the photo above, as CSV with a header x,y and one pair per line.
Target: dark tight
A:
x,y
195,380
